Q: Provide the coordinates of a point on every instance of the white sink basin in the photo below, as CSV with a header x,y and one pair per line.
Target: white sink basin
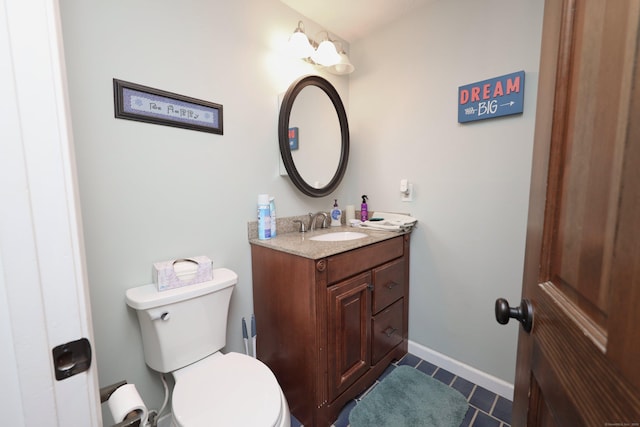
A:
x,y
338,236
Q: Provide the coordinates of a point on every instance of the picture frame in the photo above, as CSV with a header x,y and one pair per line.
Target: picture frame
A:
x,y
146,104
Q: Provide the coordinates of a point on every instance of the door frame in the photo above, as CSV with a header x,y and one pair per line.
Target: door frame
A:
x,y
44,299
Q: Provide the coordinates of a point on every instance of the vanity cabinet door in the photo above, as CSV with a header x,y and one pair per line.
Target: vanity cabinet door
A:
x,y
349,332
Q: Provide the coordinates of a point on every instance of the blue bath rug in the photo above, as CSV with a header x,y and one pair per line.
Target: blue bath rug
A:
x,y
407,397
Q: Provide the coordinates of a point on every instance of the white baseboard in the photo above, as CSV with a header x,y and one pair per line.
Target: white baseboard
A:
x,y
476,376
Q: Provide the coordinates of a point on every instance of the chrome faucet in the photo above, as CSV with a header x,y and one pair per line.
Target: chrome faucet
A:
x,y
313,217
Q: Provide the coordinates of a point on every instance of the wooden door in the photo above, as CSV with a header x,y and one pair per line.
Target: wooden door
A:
x,y
580,365
349,332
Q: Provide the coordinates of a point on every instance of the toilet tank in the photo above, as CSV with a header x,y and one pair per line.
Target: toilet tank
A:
x,y
183,325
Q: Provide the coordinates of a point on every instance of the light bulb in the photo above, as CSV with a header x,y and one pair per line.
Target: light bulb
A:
x,y
344,66
299,45
326,54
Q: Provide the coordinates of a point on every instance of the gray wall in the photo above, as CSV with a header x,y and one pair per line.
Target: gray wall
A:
x,y
471,181
151,193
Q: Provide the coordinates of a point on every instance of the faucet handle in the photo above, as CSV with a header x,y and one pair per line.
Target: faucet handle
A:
x,y
312,219
303,228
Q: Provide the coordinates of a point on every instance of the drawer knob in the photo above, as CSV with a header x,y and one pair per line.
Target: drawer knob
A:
x,y
392,285
390,331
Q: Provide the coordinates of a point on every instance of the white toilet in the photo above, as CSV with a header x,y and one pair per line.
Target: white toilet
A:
x,y
183,331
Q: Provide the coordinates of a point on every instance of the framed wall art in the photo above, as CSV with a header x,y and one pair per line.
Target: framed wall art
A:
x,y
145,104
496,97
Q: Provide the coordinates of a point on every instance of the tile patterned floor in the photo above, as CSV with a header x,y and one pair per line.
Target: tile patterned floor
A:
x,y
486,409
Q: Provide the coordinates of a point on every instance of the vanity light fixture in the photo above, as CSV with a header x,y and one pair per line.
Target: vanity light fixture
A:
x,y
344,66
299,44
324,54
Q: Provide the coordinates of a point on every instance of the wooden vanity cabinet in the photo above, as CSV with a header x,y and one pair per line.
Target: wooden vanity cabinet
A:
x,y
329,327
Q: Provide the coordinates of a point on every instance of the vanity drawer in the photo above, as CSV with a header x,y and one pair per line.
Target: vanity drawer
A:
x,y
356,261
389,282
387,331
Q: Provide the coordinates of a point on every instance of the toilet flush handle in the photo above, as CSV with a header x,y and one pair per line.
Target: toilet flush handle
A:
x,y
159,315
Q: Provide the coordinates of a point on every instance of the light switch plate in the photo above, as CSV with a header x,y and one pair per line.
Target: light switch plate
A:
x,y
408,197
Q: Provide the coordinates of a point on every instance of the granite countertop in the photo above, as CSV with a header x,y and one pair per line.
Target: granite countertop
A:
x,y
297,243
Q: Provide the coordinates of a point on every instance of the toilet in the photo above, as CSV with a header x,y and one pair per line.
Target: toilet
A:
x,y
183,331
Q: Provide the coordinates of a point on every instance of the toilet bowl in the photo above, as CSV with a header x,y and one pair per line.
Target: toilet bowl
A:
x,y
183,331
228,390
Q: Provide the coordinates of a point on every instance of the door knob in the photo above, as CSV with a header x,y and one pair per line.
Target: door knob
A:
x,y
523,313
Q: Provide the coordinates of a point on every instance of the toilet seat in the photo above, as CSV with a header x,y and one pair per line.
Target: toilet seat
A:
x,y
227,390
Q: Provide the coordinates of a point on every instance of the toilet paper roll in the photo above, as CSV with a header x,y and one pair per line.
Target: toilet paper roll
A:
x,y
125,402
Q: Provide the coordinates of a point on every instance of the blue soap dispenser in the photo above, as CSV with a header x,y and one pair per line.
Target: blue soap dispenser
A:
x,y
336,214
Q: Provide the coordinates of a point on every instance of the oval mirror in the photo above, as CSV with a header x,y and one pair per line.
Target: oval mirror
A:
x,y
314,136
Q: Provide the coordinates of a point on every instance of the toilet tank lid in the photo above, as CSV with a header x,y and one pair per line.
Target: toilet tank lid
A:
x,y
148,296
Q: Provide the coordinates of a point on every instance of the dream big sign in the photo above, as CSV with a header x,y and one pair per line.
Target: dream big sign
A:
x,y
499,96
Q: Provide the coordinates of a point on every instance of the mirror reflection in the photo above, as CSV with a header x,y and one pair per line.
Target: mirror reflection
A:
x,y
315,142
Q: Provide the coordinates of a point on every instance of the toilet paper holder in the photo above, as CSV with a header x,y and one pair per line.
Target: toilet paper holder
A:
x,y
105,394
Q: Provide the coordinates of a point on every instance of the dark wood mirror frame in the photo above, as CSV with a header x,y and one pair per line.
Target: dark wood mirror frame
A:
x,y
283,135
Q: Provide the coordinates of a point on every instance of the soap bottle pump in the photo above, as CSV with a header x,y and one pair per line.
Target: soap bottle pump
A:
x,y
336,214
364,212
